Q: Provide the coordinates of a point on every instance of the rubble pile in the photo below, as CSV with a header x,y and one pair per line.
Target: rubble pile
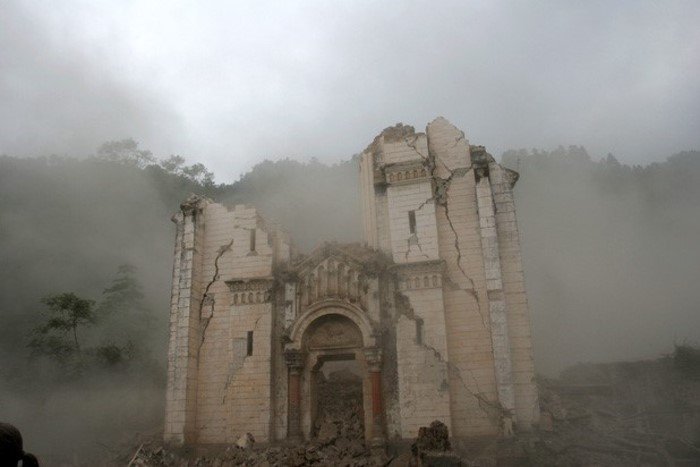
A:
x,y
340,452
432,447
338,441
340,414
432,438
617,414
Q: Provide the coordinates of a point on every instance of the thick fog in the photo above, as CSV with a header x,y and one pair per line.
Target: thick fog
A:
x,y
610,250
231,83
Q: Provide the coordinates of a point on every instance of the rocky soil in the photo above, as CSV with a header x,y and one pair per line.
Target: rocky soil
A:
x,y
619,414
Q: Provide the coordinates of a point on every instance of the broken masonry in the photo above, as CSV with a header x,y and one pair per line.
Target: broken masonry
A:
x,y
427,319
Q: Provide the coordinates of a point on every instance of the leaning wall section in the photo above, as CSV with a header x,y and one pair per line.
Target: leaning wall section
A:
x,y
519,332
473,392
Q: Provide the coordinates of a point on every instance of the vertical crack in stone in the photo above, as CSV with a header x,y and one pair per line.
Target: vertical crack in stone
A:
x,y
492,409
205,296
235,366
442,199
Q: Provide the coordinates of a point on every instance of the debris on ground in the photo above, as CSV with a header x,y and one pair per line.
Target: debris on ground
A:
x,y
615,414
340,407
338,437
432,447
612,414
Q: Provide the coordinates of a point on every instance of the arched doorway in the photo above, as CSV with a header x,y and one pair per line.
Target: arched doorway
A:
x,y
324,340
335,381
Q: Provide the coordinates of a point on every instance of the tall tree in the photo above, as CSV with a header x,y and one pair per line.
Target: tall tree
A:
x,y
125,294
57,337
125,151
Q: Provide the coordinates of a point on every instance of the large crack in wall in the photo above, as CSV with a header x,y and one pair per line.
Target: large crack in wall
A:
x,y
441,198
209,299
239,357
490,408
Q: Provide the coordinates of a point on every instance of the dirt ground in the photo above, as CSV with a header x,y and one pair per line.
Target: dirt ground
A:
x,y
643,413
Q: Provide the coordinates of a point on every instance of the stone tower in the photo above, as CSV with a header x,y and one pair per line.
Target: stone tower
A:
x,y
444,211
431,309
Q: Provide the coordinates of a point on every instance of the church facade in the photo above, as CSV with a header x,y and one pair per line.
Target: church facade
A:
x,y
430,310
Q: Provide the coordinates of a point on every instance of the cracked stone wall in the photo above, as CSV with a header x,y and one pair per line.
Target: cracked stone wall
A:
x,y
448,307
184,324
466,306
232,372
518,315
422,371
476,324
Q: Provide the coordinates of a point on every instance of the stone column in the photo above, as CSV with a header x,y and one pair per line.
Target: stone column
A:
x,y
373,357
184,323
295,363
498,313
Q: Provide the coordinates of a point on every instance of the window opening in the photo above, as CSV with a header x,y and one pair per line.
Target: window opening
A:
x,y
252,240
419,331
249,350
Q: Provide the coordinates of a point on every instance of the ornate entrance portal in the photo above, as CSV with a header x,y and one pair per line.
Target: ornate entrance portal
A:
x,y
326,334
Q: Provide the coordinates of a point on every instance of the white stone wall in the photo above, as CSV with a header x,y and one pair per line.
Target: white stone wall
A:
x,y
423,374
519,332
184,325
422,245
471,363
229,391
405,150
459,274
494,291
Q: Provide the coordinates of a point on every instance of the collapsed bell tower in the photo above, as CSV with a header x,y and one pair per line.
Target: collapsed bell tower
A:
x,y
444,211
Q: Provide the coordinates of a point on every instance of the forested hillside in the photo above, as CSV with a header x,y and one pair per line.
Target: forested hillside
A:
x,y
610,254
100,229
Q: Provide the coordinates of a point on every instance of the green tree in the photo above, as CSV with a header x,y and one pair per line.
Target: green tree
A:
x,y
125,294
57,337
125,316
173,164
125,151
198,173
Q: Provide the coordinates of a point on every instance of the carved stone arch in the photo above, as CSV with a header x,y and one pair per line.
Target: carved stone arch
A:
x,y
332,307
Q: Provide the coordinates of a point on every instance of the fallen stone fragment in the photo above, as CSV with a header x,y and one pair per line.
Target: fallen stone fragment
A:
x,y
245,441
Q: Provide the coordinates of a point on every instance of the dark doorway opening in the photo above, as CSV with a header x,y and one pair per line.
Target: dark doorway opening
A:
x,y
338,399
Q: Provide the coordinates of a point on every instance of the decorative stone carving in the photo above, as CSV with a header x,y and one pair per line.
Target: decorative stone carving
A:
x,y
425,275
249,285
251,291
334,334
397,174
332,278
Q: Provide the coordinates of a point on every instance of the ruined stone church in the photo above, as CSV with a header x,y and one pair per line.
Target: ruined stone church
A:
x,y
430,310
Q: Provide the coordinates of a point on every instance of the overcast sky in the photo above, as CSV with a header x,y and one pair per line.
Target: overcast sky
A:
x,y
232,83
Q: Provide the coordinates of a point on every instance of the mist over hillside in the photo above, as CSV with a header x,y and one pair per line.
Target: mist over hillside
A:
x,y
610,254
609,250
